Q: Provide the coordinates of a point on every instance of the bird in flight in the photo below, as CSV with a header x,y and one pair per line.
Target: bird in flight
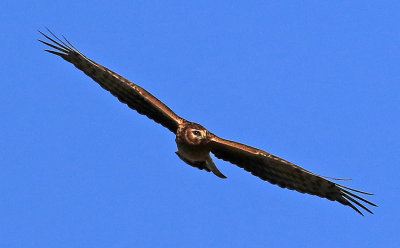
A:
x,y
195,142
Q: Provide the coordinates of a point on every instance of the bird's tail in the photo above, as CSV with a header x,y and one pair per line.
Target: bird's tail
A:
x,y
210,164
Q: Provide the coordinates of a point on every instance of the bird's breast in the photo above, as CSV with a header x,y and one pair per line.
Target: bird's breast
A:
x,y
192,152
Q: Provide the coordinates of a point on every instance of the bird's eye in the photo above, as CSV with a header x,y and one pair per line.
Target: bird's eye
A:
x,y
197,133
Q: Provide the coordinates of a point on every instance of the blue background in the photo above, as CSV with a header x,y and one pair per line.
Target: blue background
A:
x,y
316,83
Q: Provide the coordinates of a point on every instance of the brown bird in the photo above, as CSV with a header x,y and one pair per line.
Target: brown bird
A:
x,y
195,143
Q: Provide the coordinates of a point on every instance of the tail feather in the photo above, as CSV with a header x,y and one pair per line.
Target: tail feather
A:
x,y
213,168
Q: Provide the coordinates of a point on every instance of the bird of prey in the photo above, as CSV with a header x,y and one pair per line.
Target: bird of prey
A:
x,y
195,142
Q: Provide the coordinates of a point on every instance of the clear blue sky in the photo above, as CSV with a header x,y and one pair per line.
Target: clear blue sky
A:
x,y
313,82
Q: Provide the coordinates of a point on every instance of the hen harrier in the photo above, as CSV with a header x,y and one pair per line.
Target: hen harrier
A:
x,y
195,143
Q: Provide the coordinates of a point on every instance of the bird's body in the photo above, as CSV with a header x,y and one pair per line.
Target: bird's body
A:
x,y
195,143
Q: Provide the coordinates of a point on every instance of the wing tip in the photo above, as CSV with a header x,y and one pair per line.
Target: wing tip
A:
x,y
55,43
348,198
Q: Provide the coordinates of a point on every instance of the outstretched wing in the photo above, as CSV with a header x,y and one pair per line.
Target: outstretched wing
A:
x,y
127,92
285,174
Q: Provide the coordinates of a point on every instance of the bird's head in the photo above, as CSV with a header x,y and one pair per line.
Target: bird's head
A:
x,y
196,134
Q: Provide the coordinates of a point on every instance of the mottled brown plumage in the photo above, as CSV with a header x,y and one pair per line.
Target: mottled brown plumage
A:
x,y
195,143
